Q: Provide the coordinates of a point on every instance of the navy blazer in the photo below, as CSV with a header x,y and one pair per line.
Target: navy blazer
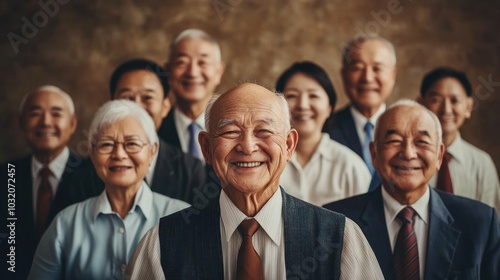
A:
x,y
25,231
168,132
176,175
342,129
463,239
190,242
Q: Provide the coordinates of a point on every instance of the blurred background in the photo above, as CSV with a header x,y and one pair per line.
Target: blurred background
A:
x,y
76,44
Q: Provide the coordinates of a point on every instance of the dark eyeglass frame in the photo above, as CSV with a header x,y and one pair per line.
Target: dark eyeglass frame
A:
x,y
124,144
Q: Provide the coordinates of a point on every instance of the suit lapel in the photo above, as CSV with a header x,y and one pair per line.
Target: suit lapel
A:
x,y
24,192
163,172
348,128
168,131
441,235
374,227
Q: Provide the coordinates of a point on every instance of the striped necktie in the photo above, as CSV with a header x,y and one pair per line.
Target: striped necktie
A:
x,y
405,256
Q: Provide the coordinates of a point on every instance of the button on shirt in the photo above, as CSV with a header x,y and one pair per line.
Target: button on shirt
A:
x,y
334,172
421,223
89,241
181,125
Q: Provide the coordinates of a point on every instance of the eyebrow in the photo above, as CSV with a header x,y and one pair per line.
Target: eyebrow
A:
x,y
52,108
421,132
226,122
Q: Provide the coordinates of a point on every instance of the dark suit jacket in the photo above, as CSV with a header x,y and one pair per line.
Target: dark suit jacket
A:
x,y
190,241
463,239
168,132
176,175
25,233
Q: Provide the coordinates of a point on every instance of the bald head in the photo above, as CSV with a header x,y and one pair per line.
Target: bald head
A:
x,y
248,93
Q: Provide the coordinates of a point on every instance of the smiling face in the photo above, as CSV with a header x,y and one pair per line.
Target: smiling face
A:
x,y
406,152
120,169
247,142
448,100
144,88
195,71
308,103
369,76
47,123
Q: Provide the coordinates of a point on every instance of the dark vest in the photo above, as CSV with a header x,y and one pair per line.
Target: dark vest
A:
x,y
190,242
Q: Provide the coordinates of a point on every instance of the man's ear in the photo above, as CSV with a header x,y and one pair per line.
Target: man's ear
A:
x,y
291,143
166,105
203,139
441,150
373,153
469,107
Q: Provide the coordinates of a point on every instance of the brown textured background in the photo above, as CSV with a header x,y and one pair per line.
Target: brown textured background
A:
x,y
78,48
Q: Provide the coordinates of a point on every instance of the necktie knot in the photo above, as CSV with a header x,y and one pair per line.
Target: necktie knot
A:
x,y
446,158
45,173
248,227
193,129
368,129
406,215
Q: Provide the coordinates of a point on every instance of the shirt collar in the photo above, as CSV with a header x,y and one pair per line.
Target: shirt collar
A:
x,y
56,166
183,121
143,200
360,120
456,148
322,150
392,207
267,217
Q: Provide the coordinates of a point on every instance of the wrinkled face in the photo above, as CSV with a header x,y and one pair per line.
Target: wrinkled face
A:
x,y
47,122
195,71
308,103
370,75
448,100
248,143
406,152
120,169
145,89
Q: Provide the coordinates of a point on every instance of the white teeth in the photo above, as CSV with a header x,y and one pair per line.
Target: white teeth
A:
x,y
119,167
248,164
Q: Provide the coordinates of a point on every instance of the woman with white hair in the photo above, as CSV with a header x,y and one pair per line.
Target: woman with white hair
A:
x,y
94,239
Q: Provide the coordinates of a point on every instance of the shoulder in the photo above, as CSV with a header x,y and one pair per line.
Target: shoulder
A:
x,y
75,213
303,211
342,152
167,205
22,162
342,114
352,205
462,208
475,154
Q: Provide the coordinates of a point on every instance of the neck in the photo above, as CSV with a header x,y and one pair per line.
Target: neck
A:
x,y
448,138
46,157
250,203
121,199
366,112
192,110
404,197
306,148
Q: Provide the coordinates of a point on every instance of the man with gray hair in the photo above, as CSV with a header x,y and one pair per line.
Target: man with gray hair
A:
x,y
47,119
195,69
368,73
418,232
252,229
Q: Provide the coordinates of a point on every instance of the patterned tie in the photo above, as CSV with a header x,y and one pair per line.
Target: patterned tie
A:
x,y
444,178
193,135
249,263
405,256
366,146
43,201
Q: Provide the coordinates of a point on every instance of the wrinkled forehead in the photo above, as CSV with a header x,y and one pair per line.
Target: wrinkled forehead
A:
x,y
46,100
407,122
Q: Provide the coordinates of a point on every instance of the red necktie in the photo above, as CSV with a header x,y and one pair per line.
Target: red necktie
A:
x,y
43,201
444,178
249,263
405,256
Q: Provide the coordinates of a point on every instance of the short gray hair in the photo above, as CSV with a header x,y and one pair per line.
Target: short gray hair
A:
x,y
413,104
283,104
49,88
196,34
354,43
116,110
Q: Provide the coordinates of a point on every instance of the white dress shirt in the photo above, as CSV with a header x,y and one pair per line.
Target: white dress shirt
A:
x,y
56,166
473,173
181,125
268,242
334,172
420,224
360,121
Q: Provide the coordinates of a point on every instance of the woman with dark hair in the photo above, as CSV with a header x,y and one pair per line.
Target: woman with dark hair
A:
x,y
321,170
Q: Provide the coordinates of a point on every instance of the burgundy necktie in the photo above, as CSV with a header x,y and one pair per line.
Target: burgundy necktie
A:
x,y
405,256
444,178
249,262
43,201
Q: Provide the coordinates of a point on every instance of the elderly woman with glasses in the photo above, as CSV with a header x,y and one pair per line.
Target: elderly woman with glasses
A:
x,y
95,239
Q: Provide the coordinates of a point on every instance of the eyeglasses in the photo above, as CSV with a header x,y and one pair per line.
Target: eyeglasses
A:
x,y
133,146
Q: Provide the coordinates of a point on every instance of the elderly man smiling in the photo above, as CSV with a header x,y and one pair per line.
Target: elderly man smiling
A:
x,y
249,141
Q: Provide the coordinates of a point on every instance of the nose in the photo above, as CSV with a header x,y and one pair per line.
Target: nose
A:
x,y
193,69
303,101
446,107
368,74
408,150
247,144
119,151
46,119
